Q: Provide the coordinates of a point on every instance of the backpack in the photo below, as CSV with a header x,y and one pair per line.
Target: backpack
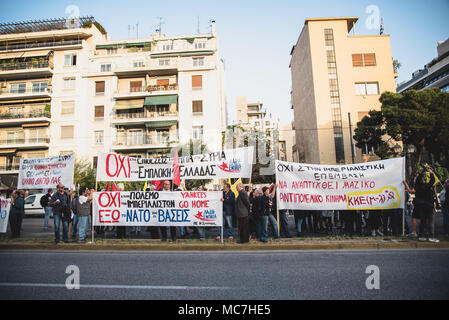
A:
x,y
75,205
44,201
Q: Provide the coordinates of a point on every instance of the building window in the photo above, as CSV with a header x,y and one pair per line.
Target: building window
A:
x,y
364,59
17,87
39,86
69,83
197,106
99,112
198,62
135,86
164,62
138,64
111,51
67,132
162,82
99,138
366,88
200,45
197,132
99,88
63,153
70,60
106,67
67,107
95,161
197,82
167,47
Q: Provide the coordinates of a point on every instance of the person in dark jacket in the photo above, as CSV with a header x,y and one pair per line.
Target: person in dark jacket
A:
x,y
61,204
423,204
45,203
16,213
228,210
262,207
242,207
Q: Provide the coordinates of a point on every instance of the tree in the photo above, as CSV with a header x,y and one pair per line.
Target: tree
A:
x,y
84,173
415,118
396,65
191,148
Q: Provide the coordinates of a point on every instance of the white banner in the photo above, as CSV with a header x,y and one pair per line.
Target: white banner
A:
x,y
363,186
5,205
44,173
234,163
158,208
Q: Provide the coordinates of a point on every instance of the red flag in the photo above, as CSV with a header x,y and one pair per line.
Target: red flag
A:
x,y
114,187
157,184
176,174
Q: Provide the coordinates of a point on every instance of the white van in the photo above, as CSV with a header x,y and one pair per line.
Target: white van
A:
x,y
33,206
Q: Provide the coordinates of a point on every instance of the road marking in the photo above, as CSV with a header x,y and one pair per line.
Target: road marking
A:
x,y
109,286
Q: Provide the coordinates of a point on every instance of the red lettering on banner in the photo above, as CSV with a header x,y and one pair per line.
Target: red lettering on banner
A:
x,y
112,199
107,165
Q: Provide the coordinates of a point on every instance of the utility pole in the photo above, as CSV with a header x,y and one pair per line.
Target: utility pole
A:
x,y
350,137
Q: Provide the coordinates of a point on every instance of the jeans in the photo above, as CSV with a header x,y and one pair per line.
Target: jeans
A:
x,y
262,224
445,212
284,222
65,228
299,224
74,225
227,220
47,216
274,223
83,223
201,232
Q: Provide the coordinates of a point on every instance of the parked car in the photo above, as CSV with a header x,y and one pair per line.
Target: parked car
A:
x,y
33,206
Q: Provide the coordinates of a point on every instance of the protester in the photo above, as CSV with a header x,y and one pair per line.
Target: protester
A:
x,y
260,214
374,222
45,203
121,230
299,218
408,211
228,211
84,206
163,230
272,214
242,207
424,202
327,216
75,213
252,218
201,230
444,200
60,202
16,212
283,218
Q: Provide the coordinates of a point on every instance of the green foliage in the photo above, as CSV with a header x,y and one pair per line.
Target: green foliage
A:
x,y
84,173
190,148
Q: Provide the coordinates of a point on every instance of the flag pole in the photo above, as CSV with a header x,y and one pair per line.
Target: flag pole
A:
x,y
93,220
405,194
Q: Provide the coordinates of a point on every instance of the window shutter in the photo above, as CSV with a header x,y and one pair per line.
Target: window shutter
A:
x,y
67,132
99,87
135,86
99,111
357,60
370,59
68,107
197,81
197,106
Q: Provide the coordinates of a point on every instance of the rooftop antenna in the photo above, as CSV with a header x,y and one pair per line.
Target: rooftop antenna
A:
x,y
161,22
137,30
381,26
198,25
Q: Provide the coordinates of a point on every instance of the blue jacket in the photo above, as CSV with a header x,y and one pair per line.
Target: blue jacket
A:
x,y
228,203
18,206
65,201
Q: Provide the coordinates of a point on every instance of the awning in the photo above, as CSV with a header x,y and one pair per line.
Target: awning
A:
x,y
30,125
157,100
128,104
7,151
26,54
166,123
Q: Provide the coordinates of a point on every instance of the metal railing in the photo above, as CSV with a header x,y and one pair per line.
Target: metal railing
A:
x,y
25,115
25,91
12,167
149,89
144,115
143,139
24,66
24,141
40,45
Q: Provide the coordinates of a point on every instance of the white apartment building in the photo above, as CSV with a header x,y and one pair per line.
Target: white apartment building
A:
x,y
65,87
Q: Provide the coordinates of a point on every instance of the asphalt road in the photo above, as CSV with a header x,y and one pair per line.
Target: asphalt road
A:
x,y
404,274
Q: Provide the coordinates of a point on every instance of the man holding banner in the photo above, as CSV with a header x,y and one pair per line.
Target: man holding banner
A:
x,y
61,204
163,230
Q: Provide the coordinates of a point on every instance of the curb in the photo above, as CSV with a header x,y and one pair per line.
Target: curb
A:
x,y
226,247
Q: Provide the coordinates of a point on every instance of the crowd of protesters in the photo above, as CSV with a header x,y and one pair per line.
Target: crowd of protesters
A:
x,y
253,213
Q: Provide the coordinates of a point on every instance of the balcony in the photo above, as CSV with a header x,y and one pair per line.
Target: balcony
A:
x,y
11,168
12,118
145,117
143,141
142,92
6,94
25,143
70,44
19,69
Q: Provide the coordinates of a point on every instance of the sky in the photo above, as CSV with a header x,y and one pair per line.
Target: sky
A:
x,y
256,37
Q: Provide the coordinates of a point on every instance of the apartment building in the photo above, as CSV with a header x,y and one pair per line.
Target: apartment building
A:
x,y
435,74
336,75
65,87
